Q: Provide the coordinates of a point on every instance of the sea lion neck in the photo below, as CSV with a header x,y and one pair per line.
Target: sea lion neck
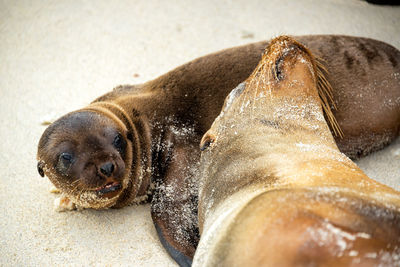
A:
x,y
139,162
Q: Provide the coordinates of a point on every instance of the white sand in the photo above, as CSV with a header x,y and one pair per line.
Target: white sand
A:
x,y
57,56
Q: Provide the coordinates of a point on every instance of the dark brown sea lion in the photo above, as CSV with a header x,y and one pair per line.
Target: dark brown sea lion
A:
x,y
109,153
274,188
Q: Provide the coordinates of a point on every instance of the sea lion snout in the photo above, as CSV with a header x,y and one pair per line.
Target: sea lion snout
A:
x,y
107,169
97,170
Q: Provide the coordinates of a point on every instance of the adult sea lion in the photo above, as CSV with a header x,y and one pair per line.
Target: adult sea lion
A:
x,y
109,153
274,188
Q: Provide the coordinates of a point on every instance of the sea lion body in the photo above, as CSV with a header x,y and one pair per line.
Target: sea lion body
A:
x,y
161,123
274,188
364,74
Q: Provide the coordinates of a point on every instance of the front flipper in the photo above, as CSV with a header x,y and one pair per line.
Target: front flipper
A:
x,y
63,203
174,204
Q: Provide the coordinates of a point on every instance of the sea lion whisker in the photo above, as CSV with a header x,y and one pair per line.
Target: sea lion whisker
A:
x,y
241,101
255,80
254,97
269,85
76,181
75,184
75,187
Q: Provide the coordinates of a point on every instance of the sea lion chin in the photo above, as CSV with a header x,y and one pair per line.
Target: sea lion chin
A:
x,y
87,154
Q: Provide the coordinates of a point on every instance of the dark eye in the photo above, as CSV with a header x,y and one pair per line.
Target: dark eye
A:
x,y
207,140
65,161
119,143
66,157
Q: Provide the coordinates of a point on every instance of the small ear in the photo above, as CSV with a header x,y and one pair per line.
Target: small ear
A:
x,y
40,166
206,141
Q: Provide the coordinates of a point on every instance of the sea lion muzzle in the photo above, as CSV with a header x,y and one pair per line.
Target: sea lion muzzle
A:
x,y
110,185
107,169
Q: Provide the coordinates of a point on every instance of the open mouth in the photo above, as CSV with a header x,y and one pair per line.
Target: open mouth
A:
x,y
108,188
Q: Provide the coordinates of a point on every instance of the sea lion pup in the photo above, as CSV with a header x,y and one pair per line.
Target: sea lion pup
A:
x,y
108,153
274,188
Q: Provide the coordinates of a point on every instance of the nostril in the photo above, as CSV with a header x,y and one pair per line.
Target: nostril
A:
x,y
107,169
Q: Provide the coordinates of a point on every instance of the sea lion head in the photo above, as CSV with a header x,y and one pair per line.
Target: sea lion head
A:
x,y
283,101
288,74
87,154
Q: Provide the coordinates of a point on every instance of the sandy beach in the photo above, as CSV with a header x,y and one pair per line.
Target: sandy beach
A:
x,y
57,56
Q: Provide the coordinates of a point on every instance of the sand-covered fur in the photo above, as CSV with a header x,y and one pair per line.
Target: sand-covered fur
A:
x,y
274,188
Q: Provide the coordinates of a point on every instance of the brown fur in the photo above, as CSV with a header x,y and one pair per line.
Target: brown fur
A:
x,y
280,193
166,117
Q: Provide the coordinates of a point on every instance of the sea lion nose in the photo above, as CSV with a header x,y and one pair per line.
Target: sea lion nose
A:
x,y
107,169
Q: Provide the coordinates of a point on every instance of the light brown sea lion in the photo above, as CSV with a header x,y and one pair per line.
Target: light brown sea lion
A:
x,y
274,188
110,152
